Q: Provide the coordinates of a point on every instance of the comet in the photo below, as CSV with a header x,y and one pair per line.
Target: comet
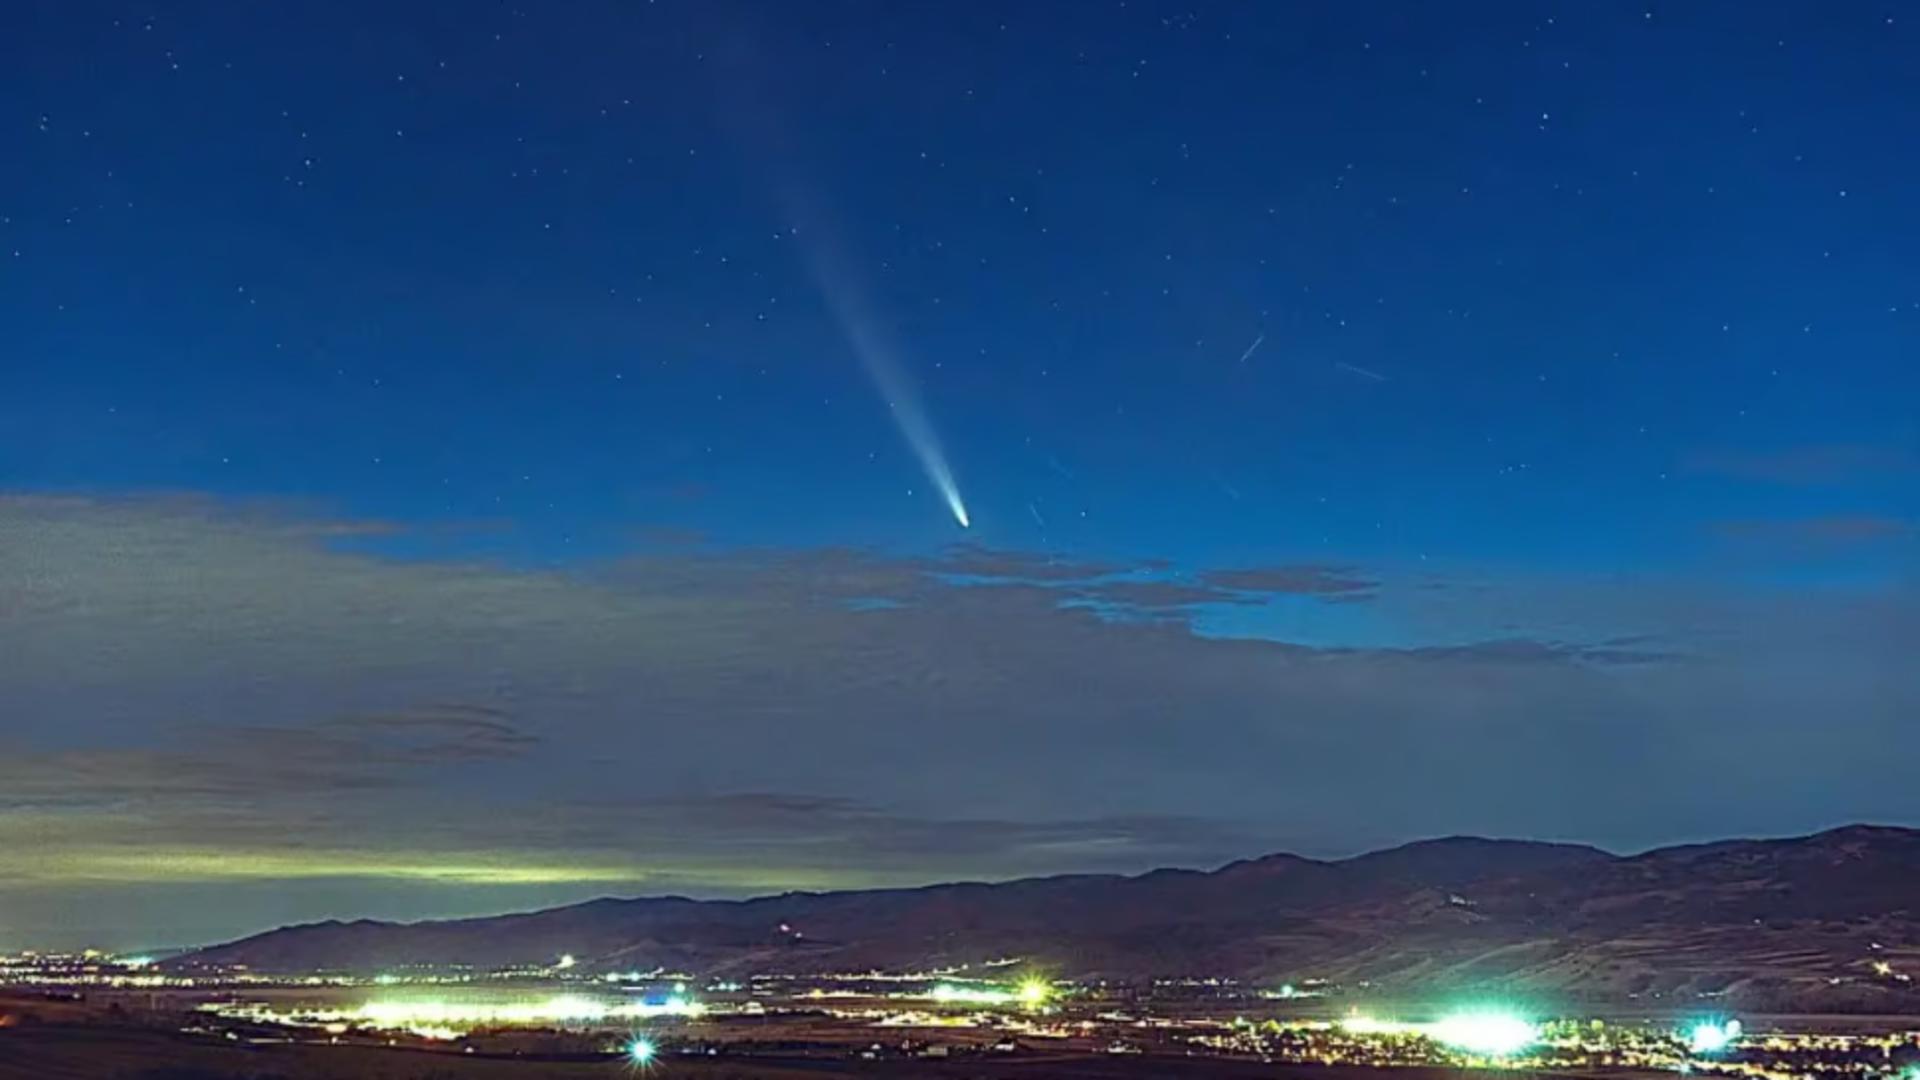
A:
x,y
751,110
881,356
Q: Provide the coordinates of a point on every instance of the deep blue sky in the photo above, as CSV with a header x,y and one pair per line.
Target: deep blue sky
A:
x,y
1597,321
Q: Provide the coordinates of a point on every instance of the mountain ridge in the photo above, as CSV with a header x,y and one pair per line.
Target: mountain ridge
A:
x,y
1796,918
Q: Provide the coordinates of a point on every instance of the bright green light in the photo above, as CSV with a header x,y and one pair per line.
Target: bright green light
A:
x,y
1030,993
642,1051
1708,1037
1035,992
1490,1033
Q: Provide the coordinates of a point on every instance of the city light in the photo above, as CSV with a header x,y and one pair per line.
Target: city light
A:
x,y
1362,1024
1030,993
969,995
641,1051
562,1009
1035,992
1492,1033
1708,1037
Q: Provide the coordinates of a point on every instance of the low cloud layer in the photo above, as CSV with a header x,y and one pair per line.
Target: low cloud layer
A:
x,y
205,698
1306,580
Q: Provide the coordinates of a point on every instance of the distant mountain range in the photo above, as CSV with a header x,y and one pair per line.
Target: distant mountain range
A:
x,y
1827,921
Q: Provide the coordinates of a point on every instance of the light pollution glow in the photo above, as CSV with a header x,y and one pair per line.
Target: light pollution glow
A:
x,y
1495,1034
120,862
195,864
971,995
436,1013
1031,993
1708,1037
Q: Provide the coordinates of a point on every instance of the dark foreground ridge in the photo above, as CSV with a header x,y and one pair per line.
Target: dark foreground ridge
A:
x,y
1772,923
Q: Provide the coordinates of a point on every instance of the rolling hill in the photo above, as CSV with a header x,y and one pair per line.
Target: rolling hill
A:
x,y
1829,921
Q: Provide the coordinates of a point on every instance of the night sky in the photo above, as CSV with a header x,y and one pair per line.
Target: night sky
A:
x,y
457,458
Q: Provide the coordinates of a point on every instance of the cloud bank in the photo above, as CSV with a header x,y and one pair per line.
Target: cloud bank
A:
x,y
236,713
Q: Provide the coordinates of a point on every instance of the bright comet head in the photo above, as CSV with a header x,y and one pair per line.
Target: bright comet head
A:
x,y
880,354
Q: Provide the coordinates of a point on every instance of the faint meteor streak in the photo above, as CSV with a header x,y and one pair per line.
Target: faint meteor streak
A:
x,y
1360,371
880,354
1252,347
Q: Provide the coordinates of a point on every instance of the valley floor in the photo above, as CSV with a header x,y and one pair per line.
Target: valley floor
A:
x,y
107,1053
